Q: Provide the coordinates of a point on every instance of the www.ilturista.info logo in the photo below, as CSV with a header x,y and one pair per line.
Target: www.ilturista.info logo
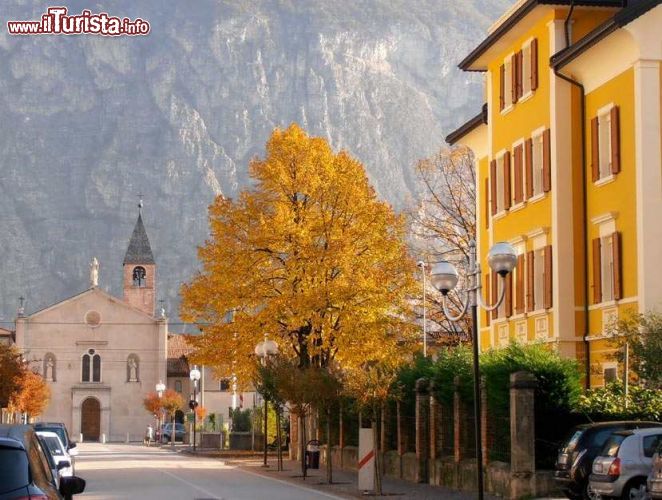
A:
x,y
56,21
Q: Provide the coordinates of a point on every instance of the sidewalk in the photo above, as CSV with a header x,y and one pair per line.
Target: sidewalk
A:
x,y
345,482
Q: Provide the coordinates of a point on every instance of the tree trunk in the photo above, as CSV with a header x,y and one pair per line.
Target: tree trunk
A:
x,y
279,458
329,465
303,445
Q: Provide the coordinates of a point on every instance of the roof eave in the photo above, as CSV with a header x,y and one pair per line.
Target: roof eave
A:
x,y
468,126
467,64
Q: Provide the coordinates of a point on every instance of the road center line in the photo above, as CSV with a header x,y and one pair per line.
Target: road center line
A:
x,y
188,483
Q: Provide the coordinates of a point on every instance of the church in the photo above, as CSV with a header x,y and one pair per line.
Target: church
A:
x,y
101,354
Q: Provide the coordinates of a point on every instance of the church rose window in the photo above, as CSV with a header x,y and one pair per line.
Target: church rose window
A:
x,y
93,318
139,276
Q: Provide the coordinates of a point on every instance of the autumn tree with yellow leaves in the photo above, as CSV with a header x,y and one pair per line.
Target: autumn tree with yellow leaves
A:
x,y
309,256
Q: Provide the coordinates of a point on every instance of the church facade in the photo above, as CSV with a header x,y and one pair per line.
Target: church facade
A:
x,y
100,354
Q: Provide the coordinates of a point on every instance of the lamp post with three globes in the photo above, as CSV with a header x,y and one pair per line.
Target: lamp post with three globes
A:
x,y
502,260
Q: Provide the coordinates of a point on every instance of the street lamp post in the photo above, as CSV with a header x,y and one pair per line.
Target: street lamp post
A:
x,y
501,259
193,404
423,265
160,387
263,350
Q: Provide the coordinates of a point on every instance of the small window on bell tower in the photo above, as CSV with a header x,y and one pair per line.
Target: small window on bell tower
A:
x,y
139,277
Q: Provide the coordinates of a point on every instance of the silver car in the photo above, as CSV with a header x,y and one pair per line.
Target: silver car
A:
x,y
624,463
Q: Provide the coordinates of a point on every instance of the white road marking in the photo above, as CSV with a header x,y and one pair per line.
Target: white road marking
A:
x,y
194,486
293,485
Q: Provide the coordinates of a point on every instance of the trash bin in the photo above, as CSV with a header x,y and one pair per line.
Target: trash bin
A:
x,y
313,454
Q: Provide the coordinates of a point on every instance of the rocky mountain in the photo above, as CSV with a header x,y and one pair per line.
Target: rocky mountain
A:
x,y
89,122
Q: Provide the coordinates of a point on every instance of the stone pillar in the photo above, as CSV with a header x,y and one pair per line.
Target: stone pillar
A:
x,y
457,419
522,435
422,442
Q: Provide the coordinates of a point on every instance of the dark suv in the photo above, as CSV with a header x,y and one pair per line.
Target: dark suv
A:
x,y
25,471
575,458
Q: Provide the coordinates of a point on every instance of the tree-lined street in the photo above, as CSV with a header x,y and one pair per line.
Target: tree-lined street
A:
x,y
132,471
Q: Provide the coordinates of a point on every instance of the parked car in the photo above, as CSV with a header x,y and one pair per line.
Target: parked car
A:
x,y
655,475
575,458
25,470
623,465
61,460
61,430
166,432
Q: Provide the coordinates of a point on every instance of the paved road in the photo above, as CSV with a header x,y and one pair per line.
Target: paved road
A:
x,y
131,471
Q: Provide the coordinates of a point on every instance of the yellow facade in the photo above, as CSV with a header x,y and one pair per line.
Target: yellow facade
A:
x,y
585,224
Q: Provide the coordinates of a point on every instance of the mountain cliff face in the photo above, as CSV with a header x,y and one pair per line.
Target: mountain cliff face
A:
x,y
90,122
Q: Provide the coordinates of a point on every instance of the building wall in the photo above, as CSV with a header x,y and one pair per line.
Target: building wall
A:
x,y
62,330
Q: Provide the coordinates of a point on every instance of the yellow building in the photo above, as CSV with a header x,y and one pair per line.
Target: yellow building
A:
x,y
569,170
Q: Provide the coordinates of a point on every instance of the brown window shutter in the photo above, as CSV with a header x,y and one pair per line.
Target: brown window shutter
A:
x,y
493,186
517,171
534,64
546,162
618,271
615,141
597,272
488,293
547,299
486,210
502,90
519,285
508,299
595,150
520,76
528,145
495,294
506,180
530,302
513,77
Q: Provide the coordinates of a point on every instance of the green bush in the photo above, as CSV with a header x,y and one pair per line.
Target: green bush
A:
x,y
453,362
241,420
608,403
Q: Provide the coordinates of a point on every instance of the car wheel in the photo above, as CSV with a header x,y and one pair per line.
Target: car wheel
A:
x,y
635,491
588,493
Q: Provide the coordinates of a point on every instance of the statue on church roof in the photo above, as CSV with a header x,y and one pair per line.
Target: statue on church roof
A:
x,y
94,272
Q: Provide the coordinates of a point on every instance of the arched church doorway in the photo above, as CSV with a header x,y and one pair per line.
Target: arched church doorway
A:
x,y
90,419
179,416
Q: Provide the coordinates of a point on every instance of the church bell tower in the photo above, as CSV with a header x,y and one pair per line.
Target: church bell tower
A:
x,y
140,270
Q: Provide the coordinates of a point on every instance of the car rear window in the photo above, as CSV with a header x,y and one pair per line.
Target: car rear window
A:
x,y
572,440
598,438
612,445
14,471
53,446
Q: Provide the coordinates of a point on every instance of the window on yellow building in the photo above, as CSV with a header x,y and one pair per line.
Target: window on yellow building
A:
x,y
500,183
607,282
539,278
536,163
605,143
610,374
506,94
